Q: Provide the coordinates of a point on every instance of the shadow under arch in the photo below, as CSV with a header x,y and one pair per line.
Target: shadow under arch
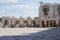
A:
x,y
17,23
50,34
33,23
5,23
59,23
25,23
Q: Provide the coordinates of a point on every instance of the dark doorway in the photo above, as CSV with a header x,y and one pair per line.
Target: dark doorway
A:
x,y
47,23
25,24
54,23
5,23
34,24
59,23
17,23
43,25
51,23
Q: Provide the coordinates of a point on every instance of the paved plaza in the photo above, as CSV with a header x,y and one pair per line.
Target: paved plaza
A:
x,y
31,34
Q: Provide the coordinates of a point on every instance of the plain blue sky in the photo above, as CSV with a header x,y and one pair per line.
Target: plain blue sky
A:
x,y
21,8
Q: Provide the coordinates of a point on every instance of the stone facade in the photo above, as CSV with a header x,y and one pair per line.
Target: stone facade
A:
x,y
49,16
12,22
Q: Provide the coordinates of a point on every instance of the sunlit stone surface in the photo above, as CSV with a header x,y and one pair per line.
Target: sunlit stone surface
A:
x,y
30,34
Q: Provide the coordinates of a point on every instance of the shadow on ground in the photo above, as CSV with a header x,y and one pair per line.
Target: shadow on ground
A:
x,y
50,34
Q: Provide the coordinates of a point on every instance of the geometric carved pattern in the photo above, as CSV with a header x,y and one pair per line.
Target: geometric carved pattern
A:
x,y
45,9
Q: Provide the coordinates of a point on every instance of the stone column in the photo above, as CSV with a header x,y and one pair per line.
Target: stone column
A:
x,y
57,22
45,21
29,20
3,19
9,24
40,22
48,21
21,22
54,20
13,22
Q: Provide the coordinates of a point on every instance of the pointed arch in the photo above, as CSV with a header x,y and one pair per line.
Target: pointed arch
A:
x,y
45,10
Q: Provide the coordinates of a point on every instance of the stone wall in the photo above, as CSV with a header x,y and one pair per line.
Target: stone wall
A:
x,y
29,22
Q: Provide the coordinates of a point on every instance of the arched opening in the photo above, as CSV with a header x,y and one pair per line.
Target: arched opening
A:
x,y
54,23
59,23
25,24
45,10
33,24
51,23
47,23
5,23
17,23
43,25
21,21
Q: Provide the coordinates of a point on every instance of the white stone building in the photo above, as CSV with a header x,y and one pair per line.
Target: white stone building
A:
x,y
49,12
49,16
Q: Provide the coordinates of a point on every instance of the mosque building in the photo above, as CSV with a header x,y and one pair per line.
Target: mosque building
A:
x,y
49,16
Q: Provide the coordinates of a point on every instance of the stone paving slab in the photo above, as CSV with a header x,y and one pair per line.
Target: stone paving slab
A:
x,y
20,31
49,34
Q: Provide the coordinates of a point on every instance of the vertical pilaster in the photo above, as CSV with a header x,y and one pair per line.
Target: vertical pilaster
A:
x,y
3,21
9,24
